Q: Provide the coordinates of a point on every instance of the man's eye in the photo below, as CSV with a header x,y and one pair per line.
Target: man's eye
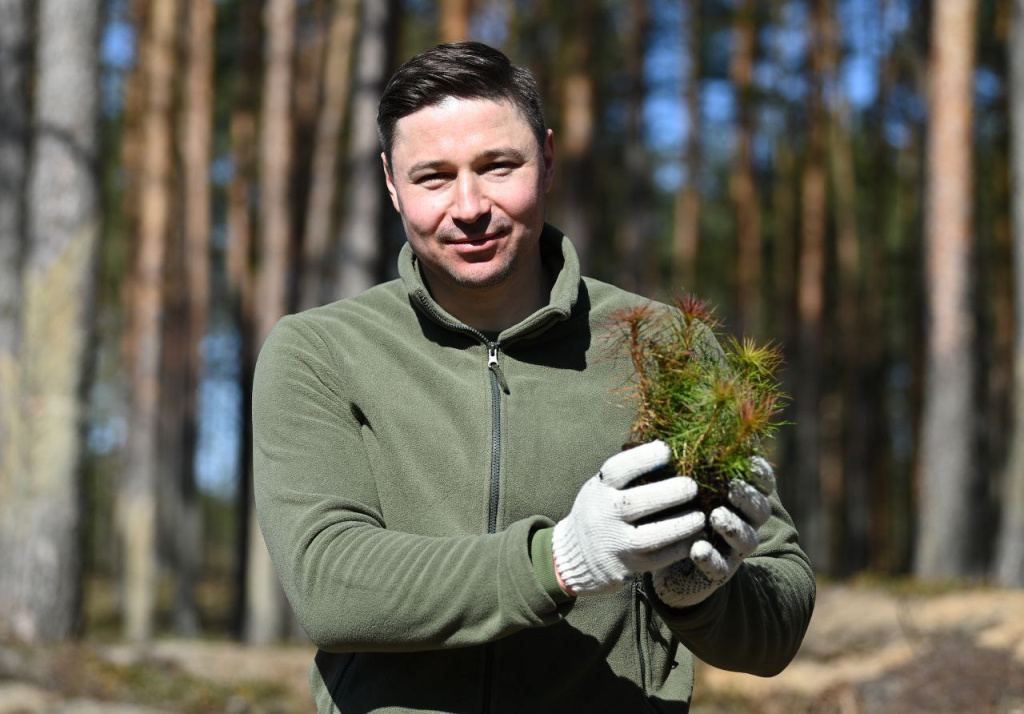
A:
x,y
435,179
500,167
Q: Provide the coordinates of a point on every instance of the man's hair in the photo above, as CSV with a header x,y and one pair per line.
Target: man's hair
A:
x,y
465,70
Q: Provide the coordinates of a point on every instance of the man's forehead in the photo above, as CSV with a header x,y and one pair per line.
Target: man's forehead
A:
x,y
455,115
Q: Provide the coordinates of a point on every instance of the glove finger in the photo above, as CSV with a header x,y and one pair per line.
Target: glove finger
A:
x,y
640,501
737,533
622,468
716,567
765,475
653,536
751,502
663,557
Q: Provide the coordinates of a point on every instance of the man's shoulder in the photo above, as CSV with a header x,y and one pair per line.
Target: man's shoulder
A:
x,y
382,302
606,298
384,307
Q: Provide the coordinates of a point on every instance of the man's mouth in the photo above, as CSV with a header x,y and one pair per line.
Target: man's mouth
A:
x,y
479,239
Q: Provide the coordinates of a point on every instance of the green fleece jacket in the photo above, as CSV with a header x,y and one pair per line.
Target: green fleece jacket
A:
x,y
408,472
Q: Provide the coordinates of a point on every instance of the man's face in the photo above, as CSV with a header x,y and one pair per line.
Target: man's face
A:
x,y
469,181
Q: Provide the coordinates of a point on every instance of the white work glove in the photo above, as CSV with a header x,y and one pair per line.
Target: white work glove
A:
x,y
691,580
597,547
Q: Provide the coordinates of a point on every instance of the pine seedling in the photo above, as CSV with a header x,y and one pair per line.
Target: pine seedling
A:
x,y
714,400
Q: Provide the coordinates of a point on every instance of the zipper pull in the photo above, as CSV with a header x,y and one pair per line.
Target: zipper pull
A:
x,y
492,364
638,586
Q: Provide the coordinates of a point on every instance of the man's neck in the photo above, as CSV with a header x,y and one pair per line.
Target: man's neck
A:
x,y
496,308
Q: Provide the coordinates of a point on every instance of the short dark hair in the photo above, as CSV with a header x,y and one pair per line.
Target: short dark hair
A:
x,y
466,70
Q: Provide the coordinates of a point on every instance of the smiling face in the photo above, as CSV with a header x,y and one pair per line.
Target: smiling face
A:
x,y
469,180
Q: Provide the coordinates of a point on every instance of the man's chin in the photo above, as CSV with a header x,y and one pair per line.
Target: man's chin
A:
x,y
482,279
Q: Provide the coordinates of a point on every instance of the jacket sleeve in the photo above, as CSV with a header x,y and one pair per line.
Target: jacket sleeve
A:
x,y
354,585
757,620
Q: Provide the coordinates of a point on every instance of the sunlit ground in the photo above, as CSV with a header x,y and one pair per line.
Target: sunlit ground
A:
x,y
893,646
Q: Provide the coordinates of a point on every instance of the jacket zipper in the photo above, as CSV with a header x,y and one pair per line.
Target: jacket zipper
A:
x,y
498,385
642,604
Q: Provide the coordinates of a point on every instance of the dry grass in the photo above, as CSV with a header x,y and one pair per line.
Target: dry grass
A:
x,y
872,648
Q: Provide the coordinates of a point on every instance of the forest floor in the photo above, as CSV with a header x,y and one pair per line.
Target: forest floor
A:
x,y
871,648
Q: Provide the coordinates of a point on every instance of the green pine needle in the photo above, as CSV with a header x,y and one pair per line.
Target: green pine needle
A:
x,y
713,405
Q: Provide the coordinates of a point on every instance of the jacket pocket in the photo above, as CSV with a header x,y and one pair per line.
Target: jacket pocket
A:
x,y
656,645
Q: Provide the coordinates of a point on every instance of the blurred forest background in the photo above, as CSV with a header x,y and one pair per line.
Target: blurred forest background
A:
x,y
844,177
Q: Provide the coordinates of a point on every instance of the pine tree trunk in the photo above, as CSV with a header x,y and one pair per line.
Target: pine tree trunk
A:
x,y
742,185
361,235
240,279
197,140
63,220
14,114
172,412
631,249
130,151
137,499
947,471
1009,566
320,214
14,111
874,343
265,599
852,510
312,30
454,20
686,225
577,137
814,531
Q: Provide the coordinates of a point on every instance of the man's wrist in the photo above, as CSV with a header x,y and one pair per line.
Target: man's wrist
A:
x,y
544,566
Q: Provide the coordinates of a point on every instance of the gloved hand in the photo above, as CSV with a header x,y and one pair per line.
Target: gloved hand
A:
x,y
691,580
598,547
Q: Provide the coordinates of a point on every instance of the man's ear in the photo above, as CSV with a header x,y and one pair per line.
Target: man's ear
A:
x,y
549,160
389,181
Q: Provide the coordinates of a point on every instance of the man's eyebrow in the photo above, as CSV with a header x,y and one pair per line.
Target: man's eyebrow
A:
x,y
432,165
507,152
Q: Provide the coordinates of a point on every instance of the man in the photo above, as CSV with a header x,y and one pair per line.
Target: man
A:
x,y
425,454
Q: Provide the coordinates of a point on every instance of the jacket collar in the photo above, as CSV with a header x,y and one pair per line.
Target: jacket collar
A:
x,y
558,256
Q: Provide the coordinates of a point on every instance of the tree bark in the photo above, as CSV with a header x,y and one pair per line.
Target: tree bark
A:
x,y
14,114
686,226
943,542
265,599
197,141
361,240
875,358
578,124
813,524
320,213
454,20
137,504
185,304
312,31
1009,565
853,510
742,185
240,278
172,416
63,220
632,235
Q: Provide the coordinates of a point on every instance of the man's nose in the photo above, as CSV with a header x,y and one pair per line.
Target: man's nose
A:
x,y
470,202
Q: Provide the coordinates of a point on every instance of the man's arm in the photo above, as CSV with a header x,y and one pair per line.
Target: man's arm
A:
x,y
756,621
354,585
